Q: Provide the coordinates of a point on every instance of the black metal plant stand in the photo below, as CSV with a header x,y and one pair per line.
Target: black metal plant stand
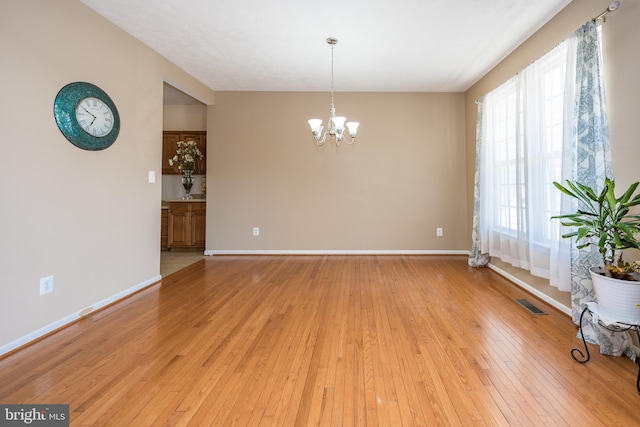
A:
x,y
617,326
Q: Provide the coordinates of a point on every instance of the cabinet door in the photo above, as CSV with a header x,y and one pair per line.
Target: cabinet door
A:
x,y
179,225
164,229
198,221
169,146
201,165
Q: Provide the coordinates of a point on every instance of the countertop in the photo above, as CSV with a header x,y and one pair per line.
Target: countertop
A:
x,y
165,203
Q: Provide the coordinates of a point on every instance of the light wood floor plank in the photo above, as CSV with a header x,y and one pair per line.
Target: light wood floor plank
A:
x,y
324,340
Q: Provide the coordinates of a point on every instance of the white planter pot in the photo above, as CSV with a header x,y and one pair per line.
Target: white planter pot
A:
x,y
617,299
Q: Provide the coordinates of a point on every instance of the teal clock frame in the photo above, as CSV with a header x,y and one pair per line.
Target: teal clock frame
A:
x,y
64,111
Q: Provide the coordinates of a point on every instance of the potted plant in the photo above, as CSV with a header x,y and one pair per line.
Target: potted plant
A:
x,y
606,221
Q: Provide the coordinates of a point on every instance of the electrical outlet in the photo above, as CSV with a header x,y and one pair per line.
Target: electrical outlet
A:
x,y
439,232
46,285
256,231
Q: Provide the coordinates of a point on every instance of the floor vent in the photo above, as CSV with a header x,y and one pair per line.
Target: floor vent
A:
x,y
532,308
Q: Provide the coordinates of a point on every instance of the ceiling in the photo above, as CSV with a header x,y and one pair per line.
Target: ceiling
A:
x,y
383,45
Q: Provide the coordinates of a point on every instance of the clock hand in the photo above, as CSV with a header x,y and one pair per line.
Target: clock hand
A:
x,y
94,117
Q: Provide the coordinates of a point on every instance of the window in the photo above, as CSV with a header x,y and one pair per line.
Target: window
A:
x,y
523,125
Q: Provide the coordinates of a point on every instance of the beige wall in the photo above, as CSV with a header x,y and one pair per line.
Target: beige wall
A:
x,y
404,176
621,36
184,117
90,219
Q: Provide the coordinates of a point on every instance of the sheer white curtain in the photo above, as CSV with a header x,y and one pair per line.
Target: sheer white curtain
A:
x,y
522,127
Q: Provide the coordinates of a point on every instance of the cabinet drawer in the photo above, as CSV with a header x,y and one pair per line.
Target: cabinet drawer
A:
x,y
198,206
178,208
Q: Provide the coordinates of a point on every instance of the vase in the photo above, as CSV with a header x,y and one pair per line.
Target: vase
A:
x,y
187,183
617,299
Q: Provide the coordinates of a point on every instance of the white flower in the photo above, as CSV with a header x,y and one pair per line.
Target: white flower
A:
x,y
186,155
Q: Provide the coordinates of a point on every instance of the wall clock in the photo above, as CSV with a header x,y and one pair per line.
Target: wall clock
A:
x,y
86,116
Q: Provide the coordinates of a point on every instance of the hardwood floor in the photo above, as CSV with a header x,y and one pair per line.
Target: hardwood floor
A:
x,y
176,260
324,340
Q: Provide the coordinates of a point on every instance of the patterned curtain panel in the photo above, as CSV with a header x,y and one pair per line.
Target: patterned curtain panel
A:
x,y
476,257
589,164
589,140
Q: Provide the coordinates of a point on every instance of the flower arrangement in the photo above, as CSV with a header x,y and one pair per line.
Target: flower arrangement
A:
x,y
185,156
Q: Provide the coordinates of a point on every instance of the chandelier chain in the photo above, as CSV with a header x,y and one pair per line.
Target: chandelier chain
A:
x,y
336,124
332,46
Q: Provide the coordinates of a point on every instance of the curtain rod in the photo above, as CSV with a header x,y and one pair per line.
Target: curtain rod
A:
x,y
612,7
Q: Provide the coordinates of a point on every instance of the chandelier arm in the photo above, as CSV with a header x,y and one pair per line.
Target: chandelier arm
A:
x,y
321,141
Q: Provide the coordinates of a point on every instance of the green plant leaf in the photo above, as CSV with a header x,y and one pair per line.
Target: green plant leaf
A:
x,y
627,194
584,193
609,191
633,202
564,189
581,212
602,240
621,213
583,232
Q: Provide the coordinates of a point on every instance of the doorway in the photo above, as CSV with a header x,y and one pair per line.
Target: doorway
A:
x,y
181,113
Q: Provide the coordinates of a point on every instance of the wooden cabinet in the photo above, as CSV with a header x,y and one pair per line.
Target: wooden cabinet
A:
x,y
187,225
169,146
164,230
198,221
169,140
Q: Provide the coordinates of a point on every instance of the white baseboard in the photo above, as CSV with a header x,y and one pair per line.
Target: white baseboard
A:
x,y
75,316
544,297
210,252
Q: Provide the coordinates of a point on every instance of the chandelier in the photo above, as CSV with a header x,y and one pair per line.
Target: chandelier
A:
x,y
336,123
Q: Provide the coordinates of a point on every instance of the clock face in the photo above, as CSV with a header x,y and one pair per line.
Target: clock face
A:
x,y
86,116
95,117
